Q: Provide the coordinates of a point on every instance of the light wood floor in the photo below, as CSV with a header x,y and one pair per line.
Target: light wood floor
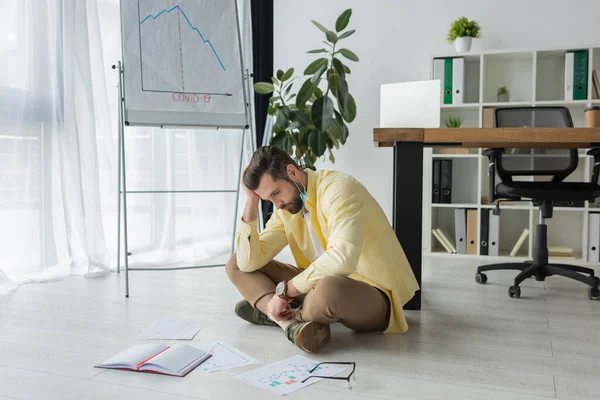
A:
x,y
469,341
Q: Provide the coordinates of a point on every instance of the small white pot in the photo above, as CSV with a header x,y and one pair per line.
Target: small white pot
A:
x,y
463,44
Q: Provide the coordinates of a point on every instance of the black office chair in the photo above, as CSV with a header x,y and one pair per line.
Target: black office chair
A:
x,y
544,194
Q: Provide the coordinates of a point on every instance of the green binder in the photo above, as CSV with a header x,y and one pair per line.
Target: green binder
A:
x,y
448,81
580,75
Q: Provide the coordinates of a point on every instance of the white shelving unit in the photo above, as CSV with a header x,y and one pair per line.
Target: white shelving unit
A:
x,y
534,78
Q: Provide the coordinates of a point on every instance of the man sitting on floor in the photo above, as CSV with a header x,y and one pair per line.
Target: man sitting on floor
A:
x,y
350,265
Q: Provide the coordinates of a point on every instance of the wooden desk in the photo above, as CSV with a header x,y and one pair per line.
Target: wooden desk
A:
x,y
408,144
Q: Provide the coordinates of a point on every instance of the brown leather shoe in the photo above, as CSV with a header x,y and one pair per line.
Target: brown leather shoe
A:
x,y
309,336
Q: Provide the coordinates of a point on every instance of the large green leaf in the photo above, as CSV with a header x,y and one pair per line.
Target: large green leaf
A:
x,y
348,54
287,75
317,142
282,119
334,140
335,130
315,65
315,51
318,73
346,34
343,128
321,27
318,92
299,119
346,69
303,137
342,21
287,143
322,113
305,92
342,92
332,37
348,112
263,87
279,74
339,67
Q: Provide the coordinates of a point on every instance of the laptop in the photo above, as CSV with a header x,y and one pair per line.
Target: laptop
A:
x,y
410,104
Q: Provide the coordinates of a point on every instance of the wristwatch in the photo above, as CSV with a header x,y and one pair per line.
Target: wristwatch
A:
x,y
281,291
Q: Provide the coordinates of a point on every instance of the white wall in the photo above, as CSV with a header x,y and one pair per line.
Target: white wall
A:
x,y
394,40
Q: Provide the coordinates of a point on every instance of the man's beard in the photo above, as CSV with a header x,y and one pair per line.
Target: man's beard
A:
x,y
296,205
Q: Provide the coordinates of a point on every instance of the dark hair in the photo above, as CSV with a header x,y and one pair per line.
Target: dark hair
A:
x,y
271,160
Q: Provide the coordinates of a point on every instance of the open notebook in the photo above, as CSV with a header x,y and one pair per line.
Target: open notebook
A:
x,y
178,359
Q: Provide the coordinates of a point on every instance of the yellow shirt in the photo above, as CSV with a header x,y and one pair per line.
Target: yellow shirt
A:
x,y
354,232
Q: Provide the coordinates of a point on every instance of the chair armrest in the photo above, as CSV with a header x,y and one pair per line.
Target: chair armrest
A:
x,y
492,155
596,170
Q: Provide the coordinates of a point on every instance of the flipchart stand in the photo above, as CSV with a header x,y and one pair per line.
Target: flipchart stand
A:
x,y
123,192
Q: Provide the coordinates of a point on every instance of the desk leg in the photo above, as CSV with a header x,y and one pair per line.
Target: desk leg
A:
x,y
407,207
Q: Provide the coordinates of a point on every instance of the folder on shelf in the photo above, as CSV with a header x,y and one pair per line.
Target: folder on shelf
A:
x,y
460,230
438,73
576,75
519,243
472,231
446,181
594,237
494,235
458,77
484,232
596,81
436,189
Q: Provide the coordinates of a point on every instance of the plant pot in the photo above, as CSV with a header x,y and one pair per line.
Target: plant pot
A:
x,y
503,98
463,43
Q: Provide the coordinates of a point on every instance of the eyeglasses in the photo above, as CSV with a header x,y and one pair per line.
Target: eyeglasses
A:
x,y
351,378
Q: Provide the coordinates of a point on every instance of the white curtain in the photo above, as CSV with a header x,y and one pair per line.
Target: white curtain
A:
x,y
58,155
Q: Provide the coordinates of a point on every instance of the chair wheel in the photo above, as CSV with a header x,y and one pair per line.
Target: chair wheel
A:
x,y
596,280
594,293
514,291
480,278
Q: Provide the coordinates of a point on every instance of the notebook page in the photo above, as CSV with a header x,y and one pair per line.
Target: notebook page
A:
x,y
175,359
133,355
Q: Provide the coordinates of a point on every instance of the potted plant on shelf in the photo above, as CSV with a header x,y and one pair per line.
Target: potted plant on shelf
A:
x,y
453,122
502,94
313,120
462,31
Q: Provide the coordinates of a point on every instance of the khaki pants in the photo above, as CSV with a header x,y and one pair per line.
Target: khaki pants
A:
x,y
357,305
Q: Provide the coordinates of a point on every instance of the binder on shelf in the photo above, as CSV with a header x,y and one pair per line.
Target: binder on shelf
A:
x,y
446,181
436,188
458,78
451,73
460,230
447,81
472,231
438,73
576,75
493,234
594,237
484,232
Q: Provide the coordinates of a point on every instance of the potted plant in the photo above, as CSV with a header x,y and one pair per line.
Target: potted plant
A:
x,y
502,94
453,122
313,120
462,31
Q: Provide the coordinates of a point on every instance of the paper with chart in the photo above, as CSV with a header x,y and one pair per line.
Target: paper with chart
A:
x,y
172,329
224,356
182,58
284,377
